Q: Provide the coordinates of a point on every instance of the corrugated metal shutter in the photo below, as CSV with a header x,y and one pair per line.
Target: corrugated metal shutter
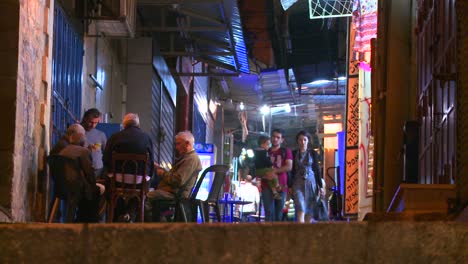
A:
x,y
67,64
199,126
162,122
167,127
156,116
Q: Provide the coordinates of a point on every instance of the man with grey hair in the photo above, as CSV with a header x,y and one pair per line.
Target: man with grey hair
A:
x,y
130,140
65,139
183,174
89,192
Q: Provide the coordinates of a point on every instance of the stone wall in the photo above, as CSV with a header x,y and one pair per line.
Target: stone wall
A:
x,y
365,242
26,75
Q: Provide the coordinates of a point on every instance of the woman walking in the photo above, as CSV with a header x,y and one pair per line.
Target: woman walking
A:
x,y
307,186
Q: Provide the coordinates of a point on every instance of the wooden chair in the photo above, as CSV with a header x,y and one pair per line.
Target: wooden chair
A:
x,y
128,180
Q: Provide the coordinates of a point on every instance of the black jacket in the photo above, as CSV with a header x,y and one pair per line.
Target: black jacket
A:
x,y
130,140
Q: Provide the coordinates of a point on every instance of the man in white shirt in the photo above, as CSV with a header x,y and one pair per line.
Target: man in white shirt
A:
x,y
248,192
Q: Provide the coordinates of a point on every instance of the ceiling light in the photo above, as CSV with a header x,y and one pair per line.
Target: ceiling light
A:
x,y
286,4
241,106
319,82
265,110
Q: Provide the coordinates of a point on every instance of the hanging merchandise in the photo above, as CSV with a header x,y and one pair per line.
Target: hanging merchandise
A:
x,y
365,24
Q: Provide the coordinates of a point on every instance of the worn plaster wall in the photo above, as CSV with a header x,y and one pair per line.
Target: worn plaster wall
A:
x,y
25,28
139,76
105,59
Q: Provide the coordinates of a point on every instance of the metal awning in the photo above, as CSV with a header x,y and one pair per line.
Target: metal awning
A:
x,y
207,30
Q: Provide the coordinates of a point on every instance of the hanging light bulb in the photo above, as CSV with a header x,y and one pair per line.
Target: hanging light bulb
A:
x,y
265,110
241,106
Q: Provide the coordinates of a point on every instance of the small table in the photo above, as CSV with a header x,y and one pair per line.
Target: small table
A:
x,y
232,203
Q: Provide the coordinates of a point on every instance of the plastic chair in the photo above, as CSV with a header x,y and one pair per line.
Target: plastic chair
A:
x,y
67,185
220,172
192,203
128,180
183,210
186,207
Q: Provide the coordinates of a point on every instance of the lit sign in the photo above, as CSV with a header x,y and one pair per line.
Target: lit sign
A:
x,y
203,148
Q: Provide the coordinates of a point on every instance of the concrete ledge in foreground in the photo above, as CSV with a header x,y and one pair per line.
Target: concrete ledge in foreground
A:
x,y
363,242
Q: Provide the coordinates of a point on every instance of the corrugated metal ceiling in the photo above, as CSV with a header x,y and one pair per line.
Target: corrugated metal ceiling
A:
x,y
210,31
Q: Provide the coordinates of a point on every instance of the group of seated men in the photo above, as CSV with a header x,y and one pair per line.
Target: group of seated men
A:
x,y
87,145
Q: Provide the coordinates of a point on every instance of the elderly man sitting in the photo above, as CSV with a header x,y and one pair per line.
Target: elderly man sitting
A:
x,y
90,192
182,175
132,139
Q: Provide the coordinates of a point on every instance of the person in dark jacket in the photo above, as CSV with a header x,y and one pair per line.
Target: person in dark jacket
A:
x,y
82,183
130,140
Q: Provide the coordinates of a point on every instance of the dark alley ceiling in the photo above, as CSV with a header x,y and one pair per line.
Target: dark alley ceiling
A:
x,y
285,50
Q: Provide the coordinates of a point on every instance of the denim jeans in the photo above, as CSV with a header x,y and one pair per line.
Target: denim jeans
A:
x,y
273,207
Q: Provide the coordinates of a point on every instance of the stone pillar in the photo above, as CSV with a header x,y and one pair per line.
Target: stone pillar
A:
x,y
25,44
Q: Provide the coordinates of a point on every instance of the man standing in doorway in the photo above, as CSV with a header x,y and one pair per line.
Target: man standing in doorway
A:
x,y
95,139
282,159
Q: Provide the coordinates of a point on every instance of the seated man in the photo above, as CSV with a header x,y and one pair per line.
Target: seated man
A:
x,y
62,142
130,140
182,175
89,194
